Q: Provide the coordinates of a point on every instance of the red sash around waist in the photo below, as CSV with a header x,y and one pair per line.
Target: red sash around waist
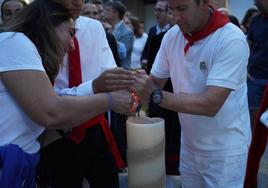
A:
x,y
78,133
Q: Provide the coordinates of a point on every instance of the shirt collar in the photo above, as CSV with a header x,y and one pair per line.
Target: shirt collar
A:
x,y
163,29
117,25
77,24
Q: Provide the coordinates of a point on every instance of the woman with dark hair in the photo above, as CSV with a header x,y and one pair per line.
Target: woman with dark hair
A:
x,y
234,20
32,47
247,19
139,40
10,7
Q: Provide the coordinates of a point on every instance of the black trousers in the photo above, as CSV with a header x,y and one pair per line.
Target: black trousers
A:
x,y
68,163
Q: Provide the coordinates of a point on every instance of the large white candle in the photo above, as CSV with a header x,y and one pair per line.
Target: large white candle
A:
x,y
146,152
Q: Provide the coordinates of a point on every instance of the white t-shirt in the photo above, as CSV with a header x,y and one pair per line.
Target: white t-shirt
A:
x,y
218,60
95,57
138,47
17,52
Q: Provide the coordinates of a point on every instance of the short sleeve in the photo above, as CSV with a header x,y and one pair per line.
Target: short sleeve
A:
x,y
17,52
229,68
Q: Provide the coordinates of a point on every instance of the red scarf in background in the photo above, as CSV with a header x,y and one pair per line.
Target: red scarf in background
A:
x,y
216,21
78,133
258,145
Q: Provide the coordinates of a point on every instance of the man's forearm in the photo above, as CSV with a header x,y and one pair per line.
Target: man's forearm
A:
x,y
206,104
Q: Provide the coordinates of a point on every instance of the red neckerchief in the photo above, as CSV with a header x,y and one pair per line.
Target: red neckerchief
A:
x,y
216,21
258,145
79,132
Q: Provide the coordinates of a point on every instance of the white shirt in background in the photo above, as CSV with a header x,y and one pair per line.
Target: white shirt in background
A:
x,y
138,47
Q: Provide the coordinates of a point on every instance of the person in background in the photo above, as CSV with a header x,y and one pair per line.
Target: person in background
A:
x,y
162,25
11,7
114,14
250,14
139,41
257,89
142,27
43,31
90,9
99,5
206,58
258,60
258,145
234,20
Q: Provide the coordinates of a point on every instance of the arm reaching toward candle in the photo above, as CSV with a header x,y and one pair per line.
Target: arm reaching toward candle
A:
x,y
145,85
113,79
207,103
48,109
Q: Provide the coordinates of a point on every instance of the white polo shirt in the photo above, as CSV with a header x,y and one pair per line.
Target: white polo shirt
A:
x,y
17,52
218,60
95,57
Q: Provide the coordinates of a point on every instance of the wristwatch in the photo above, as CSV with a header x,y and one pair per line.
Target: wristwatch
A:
x,y
156,97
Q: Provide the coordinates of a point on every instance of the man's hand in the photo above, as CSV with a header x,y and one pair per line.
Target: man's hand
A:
x,y
143,86
112,80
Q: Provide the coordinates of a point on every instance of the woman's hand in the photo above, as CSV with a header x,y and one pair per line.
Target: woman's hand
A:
x,y
122,102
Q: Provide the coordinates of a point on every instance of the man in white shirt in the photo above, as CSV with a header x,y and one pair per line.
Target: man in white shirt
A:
x,y
68,162
206,58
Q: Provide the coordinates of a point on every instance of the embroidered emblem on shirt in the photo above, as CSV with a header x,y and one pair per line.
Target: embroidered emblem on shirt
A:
x,y
203,65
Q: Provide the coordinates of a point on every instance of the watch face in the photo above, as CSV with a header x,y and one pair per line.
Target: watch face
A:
x,y
157,98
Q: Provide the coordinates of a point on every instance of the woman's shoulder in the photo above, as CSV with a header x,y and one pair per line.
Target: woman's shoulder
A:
x,y
12,36
15,39
18,52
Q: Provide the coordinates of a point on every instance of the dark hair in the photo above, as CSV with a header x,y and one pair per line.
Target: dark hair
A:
x,y
166,7
5,1
97,2
89,1
136,26
38,21
234,20
247,16
118,6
